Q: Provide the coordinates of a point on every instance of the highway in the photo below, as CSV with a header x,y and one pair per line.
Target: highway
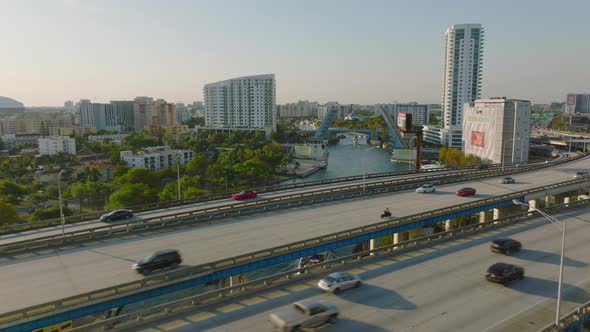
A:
x,y
36,279
441,289
32,234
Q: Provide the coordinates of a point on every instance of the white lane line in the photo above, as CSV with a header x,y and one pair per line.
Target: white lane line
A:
x,y
533,305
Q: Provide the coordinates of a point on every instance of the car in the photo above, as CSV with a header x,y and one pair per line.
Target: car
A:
x,y
504,273
505,245
304,314
247,194
507,180
465,192
581,174
337,281
426,188
483,166
116,215
159,260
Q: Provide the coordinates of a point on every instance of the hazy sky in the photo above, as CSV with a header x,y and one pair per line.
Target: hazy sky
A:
x,y
349,51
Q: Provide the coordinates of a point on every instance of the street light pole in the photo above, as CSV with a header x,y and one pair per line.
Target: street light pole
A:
x,y
563,228
410,146
61,210
178,174
363,168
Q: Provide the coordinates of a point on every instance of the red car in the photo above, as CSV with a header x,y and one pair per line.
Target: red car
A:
x,y
465,192
244,195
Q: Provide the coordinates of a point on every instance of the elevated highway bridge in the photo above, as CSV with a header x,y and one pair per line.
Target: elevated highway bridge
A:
x,y
43,278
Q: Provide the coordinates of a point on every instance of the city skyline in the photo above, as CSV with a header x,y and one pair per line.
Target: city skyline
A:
x,y
333,50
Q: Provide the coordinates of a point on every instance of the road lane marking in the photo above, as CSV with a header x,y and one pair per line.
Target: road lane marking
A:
x,y
298,287
173,325
200,316
230,307
275,294
253,300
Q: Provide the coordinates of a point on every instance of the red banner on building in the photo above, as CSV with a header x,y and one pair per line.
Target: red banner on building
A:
x,y
477,138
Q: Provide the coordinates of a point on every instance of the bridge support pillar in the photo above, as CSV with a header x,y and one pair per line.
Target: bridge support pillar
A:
x,y
400,237
232,281
506,211
448,225
551,200
485,216
533,203
373,244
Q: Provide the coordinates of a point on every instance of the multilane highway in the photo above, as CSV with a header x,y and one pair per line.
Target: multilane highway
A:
x,y
44,278
442,289
32,234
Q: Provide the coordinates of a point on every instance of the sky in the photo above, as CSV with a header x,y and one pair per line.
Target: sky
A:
x,y
362,52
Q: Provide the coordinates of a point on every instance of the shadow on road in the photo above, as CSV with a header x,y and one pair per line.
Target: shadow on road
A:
x,y
344,324
547,257
548,288
377,297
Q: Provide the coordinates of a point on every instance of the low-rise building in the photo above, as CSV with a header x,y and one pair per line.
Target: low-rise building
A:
x,y
68,131
56,144
116,139
156,158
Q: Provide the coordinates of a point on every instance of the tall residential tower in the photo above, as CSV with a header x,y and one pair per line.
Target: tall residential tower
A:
x,y
247,102
462,81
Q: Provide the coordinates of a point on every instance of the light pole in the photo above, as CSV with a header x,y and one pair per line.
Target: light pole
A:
x,y
363,166
563,228
569,151
410,146
178,173
61,210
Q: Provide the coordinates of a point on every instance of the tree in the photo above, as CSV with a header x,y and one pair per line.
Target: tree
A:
x,y
140,175
39,198
51,212
198,165
131,194
9,214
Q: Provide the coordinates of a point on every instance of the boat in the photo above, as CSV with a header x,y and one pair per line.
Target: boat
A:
x,y
356,140
323,164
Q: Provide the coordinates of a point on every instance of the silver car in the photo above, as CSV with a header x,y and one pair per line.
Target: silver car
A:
x,y
338,281
506,180
426,188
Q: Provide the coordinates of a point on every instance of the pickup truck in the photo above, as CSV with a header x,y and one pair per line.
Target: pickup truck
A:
x,y
304,314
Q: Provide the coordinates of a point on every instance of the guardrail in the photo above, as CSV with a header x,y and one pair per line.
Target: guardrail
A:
x,y
159,205
296,275
216,268
574,321
209,215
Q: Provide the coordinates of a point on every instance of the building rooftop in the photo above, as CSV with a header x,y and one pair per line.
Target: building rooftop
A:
x,y
263,76
6,102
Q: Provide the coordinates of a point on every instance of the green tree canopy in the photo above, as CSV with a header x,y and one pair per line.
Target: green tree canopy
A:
x,y
9,214
131,194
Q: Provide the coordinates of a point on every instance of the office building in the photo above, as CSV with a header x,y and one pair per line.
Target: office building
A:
x,y
462,78
577,103
55,145
497,129
182,113
342,111
101,116
73,130
123,111
156,158
116,139
247,102
149,114
419,111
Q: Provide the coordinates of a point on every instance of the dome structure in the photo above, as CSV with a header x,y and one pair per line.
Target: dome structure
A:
x,y
6,102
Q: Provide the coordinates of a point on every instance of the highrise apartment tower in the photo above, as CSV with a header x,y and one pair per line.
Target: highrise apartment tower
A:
x,y
241,103
462,79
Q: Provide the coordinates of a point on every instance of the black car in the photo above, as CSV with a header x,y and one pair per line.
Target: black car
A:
x,y
504,273
505,246
158,260
116,215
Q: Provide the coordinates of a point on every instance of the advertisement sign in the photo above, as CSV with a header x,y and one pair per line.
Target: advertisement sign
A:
x,y
571,100
477,138
404,121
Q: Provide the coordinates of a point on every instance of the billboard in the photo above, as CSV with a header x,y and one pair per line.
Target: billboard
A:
x,y
404,121
571,100
478,138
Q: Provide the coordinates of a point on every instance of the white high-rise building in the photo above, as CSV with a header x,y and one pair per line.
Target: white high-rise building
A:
x,y
462,78
497,129
55,144
247,102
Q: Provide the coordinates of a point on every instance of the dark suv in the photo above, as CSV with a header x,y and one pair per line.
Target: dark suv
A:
x,y
504,273
158,260
505,246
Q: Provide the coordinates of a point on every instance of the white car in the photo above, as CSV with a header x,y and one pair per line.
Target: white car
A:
x,y
337,281
507,180
426,188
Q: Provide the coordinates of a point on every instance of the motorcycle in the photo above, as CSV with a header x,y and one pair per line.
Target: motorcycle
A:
x,y
385,214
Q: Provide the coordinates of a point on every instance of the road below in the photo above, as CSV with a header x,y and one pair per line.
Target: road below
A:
x,y
439,290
